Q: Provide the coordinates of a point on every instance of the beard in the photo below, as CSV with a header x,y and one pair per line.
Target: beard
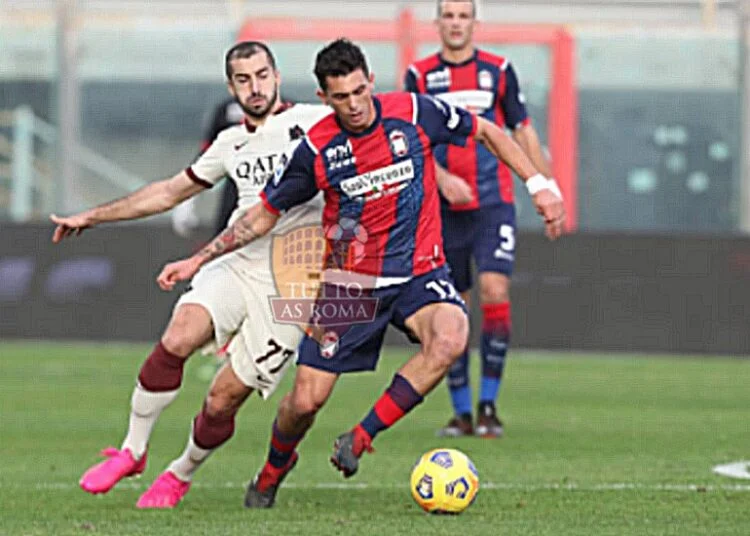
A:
x,y
263,112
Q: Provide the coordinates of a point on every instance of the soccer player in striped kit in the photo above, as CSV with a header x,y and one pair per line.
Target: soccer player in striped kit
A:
x,y
485,228
373,160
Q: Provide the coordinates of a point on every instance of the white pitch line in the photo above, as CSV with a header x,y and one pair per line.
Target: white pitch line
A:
x,y
613,486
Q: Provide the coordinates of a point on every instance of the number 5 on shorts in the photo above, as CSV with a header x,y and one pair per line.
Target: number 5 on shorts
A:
x,y
507,242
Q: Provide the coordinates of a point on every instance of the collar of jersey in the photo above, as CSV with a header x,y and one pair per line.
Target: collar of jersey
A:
x,y
465,62
283,108
368,130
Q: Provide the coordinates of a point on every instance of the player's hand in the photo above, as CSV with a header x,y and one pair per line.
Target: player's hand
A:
x,y
175,272
72,225
456,190
550,207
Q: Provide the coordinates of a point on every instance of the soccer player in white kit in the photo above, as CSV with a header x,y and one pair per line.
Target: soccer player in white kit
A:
x,y
227,301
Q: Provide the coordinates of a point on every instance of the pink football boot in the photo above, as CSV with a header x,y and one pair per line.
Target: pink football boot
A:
x,y
104,475
166,492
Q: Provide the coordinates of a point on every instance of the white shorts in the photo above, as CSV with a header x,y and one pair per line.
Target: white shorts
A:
x,y
235,292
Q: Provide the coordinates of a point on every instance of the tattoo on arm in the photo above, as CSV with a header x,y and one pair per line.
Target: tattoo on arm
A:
x,y
234,237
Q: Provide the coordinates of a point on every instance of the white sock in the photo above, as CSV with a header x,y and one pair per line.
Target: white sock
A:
x,y
191,459
145,408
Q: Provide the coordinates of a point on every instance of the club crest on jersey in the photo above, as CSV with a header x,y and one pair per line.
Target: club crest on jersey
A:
x,y
340,156
486,80
296,133
280,168
439,79
399,143
329,344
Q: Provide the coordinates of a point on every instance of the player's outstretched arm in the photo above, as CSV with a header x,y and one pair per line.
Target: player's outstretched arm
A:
x,y
256,222
152,199
455,189
527,137
544,193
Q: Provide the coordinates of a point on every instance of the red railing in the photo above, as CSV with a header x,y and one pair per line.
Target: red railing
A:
x,y
408,34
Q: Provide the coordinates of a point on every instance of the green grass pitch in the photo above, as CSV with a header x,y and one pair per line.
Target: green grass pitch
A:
x,y
595,444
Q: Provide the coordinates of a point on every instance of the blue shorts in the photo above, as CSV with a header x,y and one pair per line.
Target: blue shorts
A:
x,y
356,347
488,235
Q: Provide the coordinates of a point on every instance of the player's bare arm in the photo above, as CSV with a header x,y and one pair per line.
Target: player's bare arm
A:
x,y
544,194
152,199
526,136
454,188
256,222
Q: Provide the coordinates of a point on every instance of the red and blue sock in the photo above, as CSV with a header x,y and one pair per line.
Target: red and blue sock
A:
x,y
282,447
459,387
495,339
398,400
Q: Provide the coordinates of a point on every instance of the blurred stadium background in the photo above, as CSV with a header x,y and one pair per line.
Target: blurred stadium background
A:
x,y
641,102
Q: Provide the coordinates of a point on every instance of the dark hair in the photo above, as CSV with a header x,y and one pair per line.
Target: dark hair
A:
x,y
440,6
339,58
246,49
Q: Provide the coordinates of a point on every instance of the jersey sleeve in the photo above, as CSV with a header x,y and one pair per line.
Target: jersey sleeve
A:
x,y
209,168
444,123
410,80
293,185
513,101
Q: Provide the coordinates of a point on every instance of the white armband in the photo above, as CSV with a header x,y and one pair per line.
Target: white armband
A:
x,y
552,185
536,184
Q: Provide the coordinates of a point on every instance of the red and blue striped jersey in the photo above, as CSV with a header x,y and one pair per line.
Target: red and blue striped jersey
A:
x,y
485,85
379,183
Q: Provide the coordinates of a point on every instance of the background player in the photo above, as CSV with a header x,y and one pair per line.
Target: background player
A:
x,y
374,162
218,304
485,228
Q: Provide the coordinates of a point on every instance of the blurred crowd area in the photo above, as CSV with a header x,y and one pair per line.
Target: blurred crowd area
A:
x,y
659,86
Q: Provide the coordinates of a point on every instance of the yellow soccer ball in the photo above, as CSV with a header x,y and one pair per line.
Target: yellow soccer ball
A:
x,y
444,481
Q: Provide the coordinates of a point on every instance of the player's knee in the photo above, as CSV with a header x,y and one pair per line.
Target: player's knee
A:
x,y
449,339
220,406
494,297
188,330
448,348
178,343
304,403
285,406
494,289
